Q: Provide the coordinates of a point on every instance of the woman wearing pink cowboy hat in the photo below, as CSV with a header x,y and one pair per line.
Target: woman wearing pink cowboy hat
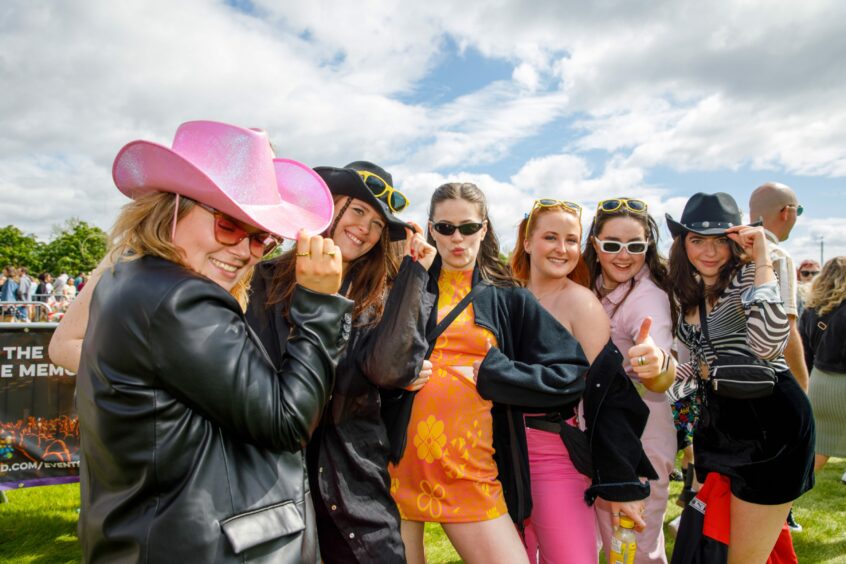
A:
x,y
189,435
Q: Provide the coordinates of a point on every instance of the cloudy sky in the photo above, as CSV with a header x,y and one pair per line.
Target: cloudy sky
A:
x,y
566,99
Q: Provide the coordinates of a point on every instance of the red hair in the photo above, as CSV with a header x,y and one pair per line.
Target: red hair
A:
x,y
521,260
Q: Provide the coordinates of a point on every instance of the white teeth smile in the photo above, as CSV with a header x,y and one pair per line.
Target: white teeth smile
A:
x,y
354,239
558,260
223,265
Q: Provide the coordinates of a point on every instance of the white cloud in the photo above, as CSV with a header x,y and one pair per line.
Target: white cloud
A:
x,y
685,86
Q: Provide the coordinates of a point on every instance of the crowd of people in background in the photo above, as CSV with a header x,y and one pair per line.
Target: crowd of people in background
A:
x,y
327,403
56,293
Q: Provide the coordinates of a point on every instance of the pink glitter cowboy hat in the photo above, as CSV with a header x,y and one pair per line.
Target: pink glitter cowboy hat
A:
x,y
231,169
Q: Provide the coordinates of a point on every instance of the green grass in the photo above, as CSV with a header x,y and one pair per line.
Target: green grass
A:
x,y
822,513
38,525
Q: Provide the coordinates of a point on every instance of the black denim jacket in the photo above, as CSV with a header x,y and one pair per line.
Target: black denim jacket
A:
x,y
348,455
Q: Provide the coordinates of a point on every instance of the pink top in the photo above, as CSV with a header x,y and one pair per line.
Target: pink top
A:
x,y
646,299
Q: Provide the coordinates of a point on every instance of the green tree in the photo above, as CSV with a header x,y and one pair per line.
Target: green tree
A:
x,y
18,249
76,247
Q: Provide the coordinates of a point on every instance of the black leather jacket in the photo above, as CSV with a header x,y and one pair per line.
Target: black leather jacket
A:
x,y
190,438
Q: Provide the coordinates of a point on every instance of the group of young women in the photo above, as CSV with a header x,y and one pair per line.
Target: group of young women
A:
x,y
326,403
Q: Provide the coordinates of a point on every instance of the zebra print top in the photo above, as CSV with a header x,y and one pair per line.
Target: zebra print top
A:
x,y
746,320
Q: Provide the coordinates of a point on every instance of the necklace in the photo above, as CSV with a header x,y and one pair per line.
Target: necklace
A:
x,y
541,297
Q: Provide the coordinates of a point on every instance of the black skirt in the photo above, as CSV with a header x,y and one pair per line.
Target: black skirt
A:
x,y
765,445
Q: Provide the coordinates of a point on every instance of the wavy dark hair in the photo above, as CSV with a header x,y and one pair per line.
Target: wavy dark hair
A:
x,y
491,268
521,261
655,262
688,287
367,276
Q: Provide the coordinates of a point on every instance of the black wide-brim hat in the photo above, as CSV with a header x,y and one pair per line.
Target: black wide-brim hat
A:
x,y
707,214
347,182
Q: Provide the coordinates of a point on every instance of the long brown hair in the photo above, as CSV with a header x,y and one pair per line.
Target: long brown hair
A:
x,y
367,276
521,261
491,268
655,262
144,227
688,286
828,290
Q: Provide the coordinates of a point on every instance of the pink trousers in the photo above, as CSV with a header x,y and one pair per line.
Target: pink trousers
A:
x,y
562,528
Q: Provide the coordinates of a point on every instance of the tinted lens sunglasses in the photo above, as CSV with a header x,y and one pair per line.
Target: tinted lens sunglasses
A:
x,y
807,273
229,232
612,205
395,199
799,208
572,207
465,229
614,247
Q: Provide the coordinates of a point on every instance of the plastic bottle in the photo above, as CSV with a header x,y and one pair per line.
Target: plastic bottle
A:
x,y
623,545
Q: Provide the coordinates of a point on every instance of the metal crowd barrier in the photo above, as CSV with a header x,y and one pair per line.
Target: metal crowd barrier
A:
x,y
13,313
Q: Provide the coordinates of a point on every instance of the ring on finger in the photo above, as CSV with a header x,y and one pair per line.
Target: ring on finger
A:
x,y
329,253
641,361
305,254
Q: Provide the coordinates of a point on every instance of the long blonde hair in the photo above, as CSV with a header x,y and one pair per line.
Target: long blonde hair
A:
x,y
144,228
828,290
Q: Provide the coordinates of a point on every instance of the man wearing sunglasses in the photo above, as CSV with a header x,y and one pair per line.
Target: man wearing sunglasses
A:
x,y
778,207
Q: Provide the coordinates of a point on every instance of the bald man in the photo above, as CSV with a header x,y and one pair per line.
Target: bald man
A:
x,y
777,205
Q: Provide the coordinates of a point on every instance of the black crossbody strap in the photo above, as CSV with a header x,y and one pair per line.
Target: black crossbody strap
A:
x,y
703,325
455,312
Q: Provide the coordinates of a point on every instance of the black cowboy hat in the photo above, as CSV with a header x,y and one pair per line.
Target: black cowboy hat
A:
x,y
347,182
707,214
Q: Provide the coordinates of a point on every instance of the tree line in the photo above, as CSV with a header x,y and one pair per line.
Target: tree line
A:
x,y
74,247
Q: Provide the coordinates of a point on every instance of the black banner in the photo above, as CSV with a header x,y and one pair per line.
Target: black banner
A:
x,y
39,429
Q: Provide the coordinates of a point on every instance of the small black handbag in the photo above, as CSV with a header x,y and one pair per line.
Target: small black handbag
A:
x,y
737,376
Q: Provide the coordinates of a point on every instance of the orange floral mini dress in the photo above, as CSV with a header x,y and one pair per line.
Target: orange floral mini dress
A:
x,y
448,474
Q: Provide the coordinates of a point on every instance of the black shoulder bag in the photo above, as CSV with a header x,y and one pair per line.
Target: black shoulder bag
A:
x,y
737,376
397,404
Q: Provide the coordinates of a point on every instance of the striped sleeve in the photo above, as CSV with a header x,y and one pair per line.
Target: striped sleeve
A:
x,y
685,382
767,326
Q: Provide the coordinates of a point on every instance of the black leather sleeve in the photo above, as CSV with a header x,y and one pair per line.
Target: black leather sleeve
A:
x,y
205,355
393,352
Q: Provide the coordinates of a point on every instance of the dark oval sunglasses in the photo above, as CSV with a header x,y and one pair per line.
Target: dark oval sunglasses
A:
x,y
465,229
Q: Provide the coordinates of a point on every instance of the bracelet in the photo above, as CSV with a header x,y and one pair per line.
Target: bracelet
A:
x,y
757,266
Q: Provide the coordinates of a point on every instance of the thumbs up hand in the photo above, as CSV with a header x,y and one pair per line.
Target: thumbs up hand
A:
x,y
646,358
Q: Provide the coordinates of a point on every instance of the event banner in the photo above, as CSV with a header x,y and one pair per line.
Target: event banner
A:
x,y
39,430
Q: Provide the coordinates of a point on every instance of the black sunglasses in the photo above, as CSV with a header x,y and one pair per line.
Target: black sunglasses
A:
x,y
465,229
809,272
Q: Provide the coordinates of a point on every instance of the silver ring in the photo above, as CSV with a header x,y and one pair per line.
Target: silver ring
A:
x,y
641,360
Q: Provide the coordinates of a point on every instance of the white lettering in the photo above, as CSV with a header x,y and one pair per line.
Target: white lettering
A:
x,y
24,353
6,370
